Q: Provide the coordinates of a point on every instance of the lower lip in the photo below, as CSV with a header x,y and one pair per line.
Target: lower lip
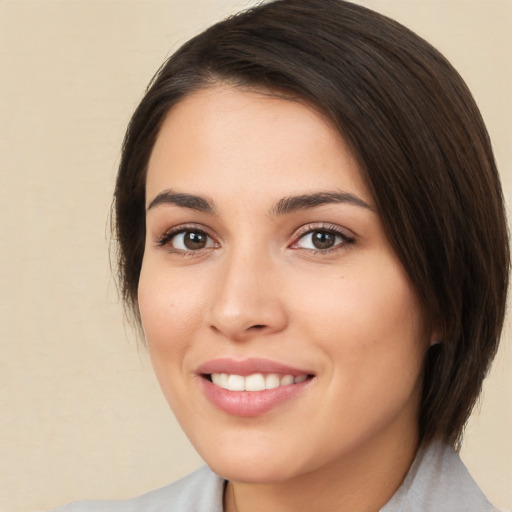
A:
x,y
250,403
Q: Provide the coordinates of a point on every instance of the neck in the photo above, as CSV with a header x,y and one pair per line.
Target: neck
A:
x,y
361,481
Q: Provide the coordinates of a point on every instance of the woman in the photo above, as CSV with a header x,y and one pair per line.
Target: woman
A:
x,y
312,240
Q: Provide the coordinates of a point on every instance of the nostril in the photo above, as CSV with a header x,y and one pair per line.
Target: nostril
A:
x,y
258,327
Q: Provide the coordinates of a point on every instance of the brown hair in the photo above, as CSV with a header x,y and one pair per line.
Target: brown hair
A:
x,y
422,148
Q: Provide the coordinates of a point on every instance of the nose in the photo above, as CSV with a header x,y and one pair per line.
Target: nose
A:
x,y
247,301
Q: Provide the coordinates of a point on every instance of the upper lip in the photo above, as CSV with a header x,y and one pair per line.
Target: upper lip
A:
x,y
250,366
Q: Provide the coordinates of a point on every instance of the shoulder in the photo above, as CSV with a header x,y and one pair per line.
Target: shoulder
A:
x,y
438,481
201,491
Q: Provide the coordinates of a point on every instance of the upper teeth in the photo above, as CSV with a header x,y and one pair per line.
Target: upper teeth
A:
x,y
254,382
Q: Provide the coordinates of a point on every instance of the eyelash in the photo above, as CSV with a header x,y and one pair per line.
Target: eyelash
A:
x,y
346,239
169,235
166,239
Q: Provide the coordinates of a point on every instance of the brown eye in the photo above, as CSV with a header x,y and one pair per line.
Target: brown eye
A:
x,y
191,241
321,240
194,241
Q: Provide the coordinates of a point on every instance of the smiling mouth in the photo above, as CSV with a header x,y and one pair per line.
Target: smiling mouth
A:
x,y
255,381
251,387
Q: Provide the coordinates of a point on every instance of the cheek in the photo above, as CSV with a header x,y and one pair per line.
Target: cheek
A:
x,y
372,330
169,309
369,321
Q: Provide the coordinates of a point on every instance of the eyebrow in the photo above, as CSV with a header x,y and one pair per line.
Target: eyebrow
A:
x,y
306,201
183,200
282,207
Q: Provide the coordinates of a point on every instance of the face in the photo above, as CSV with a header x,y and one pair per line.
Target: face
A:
x,y
284,332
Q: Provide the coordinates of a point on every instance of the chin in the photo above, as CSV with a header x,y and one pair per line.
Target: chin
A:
x,y
253,468
252,472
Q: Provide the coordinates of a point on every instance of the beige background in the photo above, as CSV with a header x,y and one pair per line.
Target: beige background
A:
x,y
80,413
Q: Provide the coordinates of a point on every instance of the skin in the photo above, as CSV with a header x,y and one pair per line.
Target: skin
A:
x,y
260,288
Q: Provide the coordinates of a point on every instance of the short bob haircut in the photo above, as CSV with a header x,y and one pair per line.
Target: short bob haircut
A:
x,y
422,148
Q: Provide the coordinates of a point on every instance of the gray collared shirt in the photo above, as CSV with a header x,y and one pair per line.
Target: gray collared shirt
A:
x,y
437,481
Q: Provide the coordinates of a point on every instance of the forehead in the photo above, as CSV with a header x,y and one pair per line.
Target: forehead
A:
x,y
245,139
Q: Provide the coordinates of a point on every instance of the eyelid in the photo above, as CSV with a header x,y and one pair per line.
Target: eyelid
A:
x,y
347,236
164,239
